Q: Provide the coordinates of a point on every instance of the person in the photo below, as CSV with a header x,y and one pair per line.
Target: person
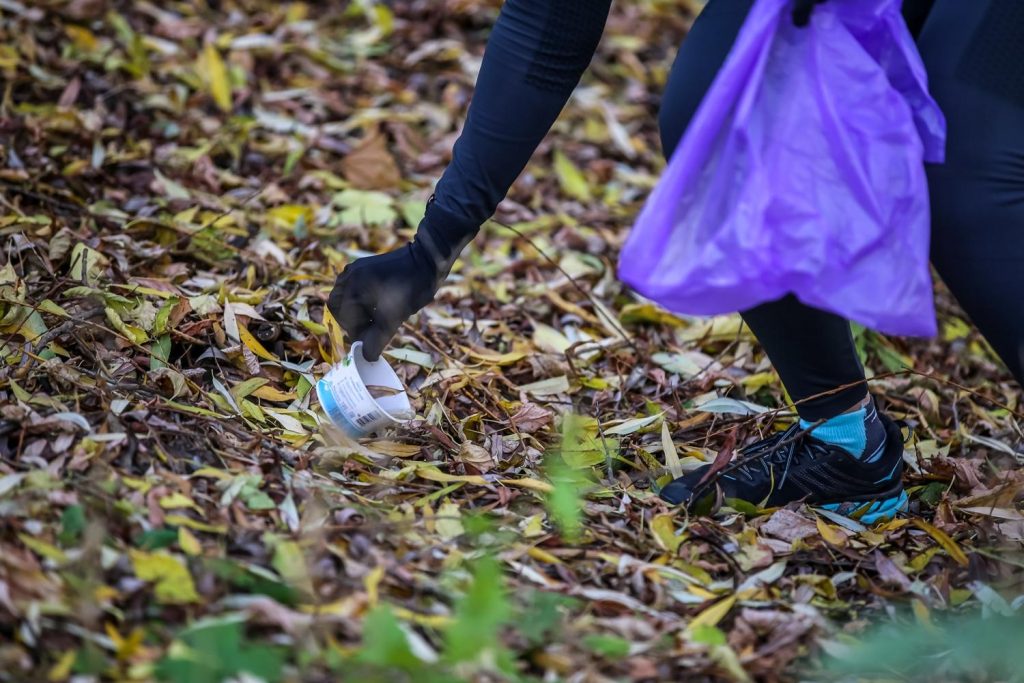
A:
x,y
844,454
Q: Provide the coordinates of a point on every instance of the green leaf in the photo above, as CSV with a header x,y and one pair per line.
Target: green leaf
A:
x,y
290,562
708,635
72,524
543,615
612,647
363,207
156,539
160,352
246,580
385,643
87,265
216,650
479,614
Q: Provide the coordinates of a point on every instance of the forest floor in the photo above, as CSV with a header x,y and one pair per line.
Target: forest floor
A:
x,y
179,185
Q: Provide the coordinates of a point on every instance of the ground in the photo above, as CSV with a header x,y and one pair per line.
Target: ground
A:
x,y
182,181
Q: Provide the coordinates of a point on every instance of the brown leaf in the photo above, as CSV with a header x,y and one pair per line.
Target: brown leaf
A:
x,y
476,456
370,166
889,572
531,418
789,526
70,94
82,10
723,457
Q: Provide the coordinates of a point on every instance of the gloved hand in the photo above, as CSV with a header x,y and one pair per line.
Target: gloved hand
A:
x,y
374,295
802,11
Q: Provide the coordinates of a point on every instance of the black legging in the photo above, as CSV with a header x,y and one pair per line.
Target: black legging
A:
x,y
974,54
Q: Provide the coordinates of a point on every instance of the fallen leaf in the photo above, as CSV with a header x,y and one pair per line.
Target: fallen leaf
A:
x,y
171,576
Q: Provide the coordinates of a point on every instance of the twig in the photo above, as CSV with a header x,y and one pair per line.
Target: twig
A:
x,y
613,323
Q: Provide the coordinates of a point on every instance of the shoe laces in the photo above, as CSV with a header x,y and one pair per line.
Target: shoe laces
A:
x,y
782,449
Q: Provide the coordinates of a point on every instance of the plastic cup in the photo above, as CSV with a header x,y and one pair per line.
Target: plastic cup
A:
x,y
347,401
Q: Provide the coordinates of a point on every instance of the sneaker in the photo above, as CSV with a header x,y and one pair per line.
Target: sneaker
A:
x,y
795,466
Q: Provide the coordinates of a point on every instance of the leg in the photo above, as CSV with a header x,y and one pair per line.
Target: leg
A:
x,y
812,350
974,52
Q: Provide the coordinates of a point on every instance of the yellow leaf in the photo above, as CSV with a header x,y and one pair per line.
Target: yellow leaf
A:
x,y
543,555
892,525
290,214
675,468
87,265
547,338
703,593
714,614
394,448
83,38
173,581
188,542
449,521
253,344
495,358
47,306
44,549
921,561
534,526
140,485
758,380
9,57
923,615
211,472
572,180
124,647
434,474
176,501
943,539
529,483
336,336
268,393
664,530
290,562
215,75
372,584
182,520
62,669
431,620
831,534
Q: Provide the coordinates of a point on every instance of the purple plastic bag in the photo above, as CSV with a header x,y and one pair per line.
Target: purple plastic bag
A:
x,y
802,172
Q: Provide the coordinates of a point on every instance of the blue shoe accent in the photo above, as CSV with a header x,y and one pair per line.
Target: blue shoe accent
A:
x,y
846,431
873,512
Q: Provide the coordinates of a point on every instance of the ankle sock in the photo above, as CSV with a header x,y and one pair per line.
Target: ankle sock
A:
x,y
861,432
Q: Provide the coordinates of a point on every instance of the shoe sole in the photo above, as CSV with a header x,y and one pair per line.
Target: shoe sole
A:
x,y
873,512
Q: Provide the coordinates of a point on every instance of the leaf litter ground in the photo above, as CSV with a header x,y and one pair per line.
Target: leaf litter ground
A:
x,y
180,184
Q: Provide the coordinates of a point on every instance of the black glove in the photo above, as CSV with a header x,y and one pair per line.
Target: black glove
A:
x,y
374,295
802,11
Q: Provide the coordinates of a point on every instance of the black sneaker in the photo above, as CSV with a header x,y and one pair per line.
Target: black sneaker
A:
x,y
795,466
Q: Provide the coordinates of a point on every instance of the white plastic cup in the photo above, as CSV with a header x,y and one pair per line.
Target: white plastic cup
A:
x,y
348,403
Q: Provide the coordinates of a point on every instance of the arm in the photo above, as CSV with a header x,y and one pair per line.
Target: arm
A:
x,y
534,58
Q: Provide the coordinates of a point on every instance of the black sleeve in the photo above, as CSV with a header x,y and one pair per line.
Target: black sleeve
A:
x,y
534,58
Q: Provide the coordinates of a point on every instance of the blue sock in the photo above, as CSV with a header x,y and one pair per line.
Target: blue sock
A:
x,y
860,433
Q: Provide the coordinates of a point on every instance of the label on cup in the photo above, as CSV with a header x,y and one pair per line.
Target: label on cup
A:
x,y
347,401
344,404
